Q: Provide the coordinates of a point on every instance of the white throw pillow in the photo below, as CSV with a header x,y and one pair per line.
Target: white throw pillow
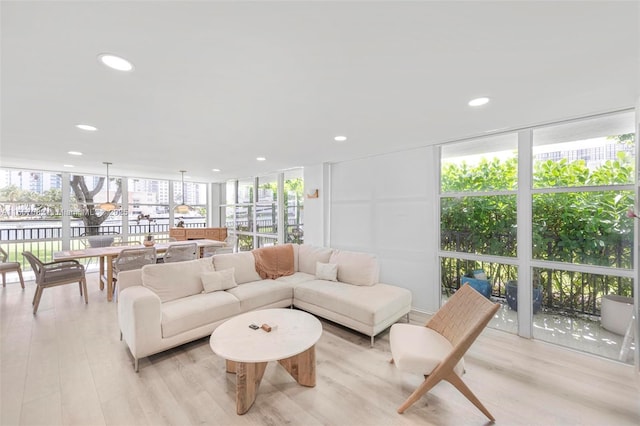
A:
x,y
327,271
218,280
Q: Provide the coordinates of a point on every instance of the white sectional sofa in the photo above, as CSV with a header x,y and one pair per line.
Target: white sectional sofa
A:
x,y
166,305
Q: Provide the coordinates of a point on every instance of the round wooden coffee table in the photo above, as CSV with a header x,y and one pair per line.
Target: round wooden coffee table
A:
x,y
291,342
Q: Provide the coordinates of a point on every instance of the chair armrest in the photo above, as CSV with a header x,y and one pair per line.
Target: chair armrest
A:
x,y
62,262
53,268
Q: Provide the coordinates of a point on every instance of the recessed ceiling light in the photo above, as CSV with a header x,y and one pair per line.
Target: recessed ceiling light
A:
x,y
74,153
260,158
69,165
478,102
115,62
340,138
215,170
87,127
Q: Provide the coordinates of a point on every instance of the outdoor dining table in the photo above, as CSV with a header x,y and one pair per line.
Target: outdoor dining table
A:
x,y
107,254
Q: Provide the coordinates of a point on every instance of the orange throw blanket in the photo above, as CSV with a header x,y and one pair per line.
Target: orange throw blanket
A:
x,y
274,262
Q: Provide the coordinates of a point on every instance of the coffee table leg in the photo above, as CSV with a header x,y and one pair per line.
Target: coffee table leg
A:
x,y
302,367
248,377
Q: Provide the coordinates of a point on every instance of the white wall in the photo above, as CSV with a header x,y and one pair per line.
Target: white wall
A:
x,y
314,222
386,205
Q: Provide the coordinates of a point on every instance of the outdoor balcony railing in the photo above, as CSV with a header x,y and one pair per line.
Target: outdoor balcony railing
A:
x,y
568,292
44,241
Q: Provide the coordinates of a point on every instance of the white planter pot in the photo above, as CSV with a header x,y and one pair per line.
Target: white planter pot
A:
x,y
100,240
616,313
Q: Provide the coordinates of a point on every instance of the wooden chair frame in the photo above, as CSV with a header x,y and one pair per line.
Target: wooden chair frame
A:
x,y
56,273
460,320
9,267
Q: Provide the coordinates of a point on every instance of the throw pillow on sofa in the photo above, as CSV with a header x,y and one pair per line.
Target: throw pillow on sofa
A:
x,y
218,280
327,271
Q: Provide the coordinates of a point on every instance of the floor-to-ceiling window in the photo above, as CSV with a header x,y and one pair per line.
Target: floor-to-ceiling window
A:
x,y
582,238
147,208
294,206
194,196
478,216
549,227
265,210
30,212
44,212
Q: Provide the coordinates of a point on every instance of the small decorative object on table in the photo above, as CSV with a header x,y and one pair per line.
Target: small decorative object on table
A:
x,y
148,241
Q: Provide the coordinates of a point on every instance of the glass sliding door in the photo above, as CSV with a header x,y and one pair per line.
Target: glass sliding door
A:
x,y
478,219
294,206
583,187
148,208
560,238
30,214
194,195
267,210
256,209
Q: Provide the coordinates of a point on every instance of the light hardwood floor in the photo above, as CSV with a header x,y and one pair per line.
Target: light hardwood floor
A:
x,y
67,365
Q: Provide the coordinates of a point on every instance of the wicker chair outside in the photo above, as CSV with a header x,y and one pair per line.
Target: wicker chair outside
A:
x,y
54,274
229,247
460,321
181,252
134,258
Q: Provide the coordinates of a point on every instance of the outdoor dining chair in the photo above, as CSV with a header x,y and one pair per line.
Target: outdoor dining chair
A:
x,y
9,267
435,350
180,252
229,247
56,273
132,258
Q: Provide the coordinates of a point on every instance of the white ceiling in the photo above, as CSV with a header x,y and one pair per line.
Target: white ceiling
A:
x,y
217,84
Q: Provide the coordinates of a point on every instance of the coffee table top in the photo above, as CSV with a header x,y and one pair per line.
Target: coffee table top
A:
x,y
295,332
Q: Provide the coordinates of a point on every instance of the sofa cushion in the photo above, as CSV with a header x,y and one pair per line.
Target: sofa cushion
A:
x,y
297,278
264,293
243,262
309,255
407,343
367,304
327,271
172,281
191,312
356,268
218,280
